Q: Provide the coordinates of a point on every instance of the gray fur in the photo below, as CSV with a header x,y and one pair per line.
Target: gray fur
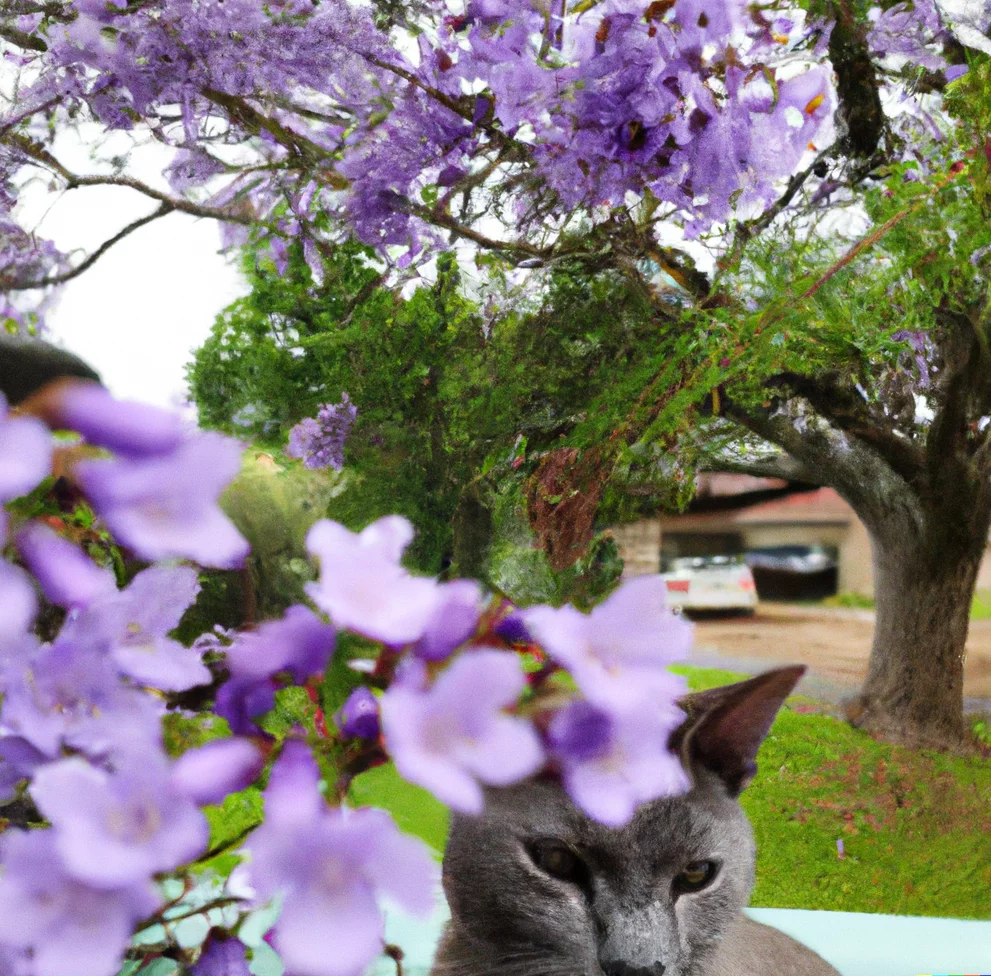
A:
x,y
509,918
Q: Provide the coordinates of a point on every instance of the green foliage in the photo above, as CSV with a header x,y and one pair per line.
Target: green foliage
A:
x,y
458,409
415,810
449,406
185,731
980,608
522,571
229,823
850,601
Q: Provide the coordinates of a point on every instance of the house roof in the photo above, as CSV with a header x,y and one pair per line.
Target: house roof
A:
x,y
725,483
819,507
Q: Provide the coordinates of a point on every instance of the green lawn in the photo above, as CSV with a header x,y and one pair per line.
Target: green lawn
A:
x,y
916,826
980,608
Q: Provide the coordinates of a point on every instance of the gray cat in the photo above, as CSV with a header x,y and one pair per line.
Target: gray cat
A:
x,y
536,888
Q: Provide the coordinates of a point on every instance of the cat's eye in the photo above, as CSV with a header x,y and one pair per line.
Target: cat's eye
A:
x,y
557,859
696,876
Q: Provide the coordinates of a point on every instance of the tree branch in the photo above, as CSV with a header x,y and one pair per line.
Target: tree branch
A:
x,y
42,156
878,493
777,465
848,411
59,279
21,39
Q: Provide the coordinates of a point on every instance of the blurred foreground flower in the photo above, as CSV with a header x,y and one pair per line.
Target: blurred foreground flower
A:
x,y
362,586
329,865
165,507
455,736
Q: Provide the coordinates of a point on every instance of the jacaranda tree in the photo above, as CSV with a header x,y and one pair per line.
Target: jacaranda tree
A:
x,y
633,139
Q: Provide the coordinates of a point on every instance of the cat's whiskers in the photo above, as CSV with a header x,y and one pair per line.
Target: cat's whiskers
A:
x,y
523,963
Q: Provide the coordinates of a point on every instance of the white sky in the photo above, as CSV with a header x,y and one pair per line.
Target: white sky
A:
x,y
137,314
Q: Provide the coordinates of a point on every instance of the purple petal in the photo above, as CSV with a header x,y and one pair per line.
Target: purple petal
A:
x,y
454,620
293,792
241,700
166,507
323,934
300,643
209,773
581,731
67,576
363,588
222,957
129,428
360,715
25,454
18,604
116,830
162,663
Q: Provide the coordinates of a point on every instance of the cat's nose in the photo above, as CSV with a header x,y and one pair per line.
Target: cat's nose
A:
x,y
619,968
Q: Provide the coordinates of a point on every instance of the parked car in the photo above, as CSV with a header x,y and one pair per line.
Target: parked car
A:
x,y
794,572
710,583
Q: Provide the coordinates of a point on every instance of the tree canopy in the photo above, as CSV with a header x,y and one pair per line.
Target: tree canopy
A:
x,y
767,182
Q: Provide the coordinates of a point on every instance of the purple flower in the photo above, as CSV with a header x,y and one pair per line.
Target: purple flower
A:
x,y
25,453
134,430
456,735
18,761
512,629
362,586
613,761
116,830
68,926
67,576
131,626
955,71
241,700
18,606
320,442
619,651
222,957
300,643
209,773
454,620
166,507
330,866
360,715
70,695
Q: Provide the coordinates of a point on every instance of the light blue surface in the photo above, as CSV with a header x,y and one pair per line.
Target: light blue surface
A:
x,y
856,944
887,945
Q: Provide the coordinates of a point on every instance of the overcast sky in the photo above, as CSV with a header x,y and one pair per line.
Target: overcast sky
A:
x,y
138,312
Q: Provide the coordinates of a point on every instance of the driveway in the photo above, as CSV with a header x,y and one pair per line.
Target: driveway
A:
x,y
835,643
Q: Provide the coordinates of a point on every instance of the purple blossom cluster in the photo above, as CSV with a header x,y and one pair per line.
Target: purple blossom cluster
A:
x,y
320,441
448,700
455,731
909,30
697,105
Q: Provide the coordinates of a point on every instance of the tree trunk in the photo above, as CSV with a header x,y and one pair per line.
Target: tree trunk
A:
x,y
472,526
923,589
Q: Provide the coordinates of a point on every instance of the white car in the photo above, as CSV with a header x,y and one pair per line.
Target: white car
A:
x,y
710,583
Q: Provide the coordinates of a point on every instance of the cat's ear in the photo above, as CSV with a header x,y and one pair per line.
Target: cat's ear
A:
x,y
725,726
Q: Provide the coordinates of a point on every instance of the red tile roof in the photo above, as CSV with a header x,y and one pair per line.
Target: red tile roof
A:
x,y
802,508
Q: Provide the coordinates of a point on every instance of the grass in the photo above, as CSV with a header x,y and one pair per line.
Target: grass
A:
x,y
980,608
916,826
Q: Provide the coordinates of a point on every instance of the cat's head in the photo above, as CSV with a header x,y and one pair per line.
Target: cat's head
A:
x,y
536,888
